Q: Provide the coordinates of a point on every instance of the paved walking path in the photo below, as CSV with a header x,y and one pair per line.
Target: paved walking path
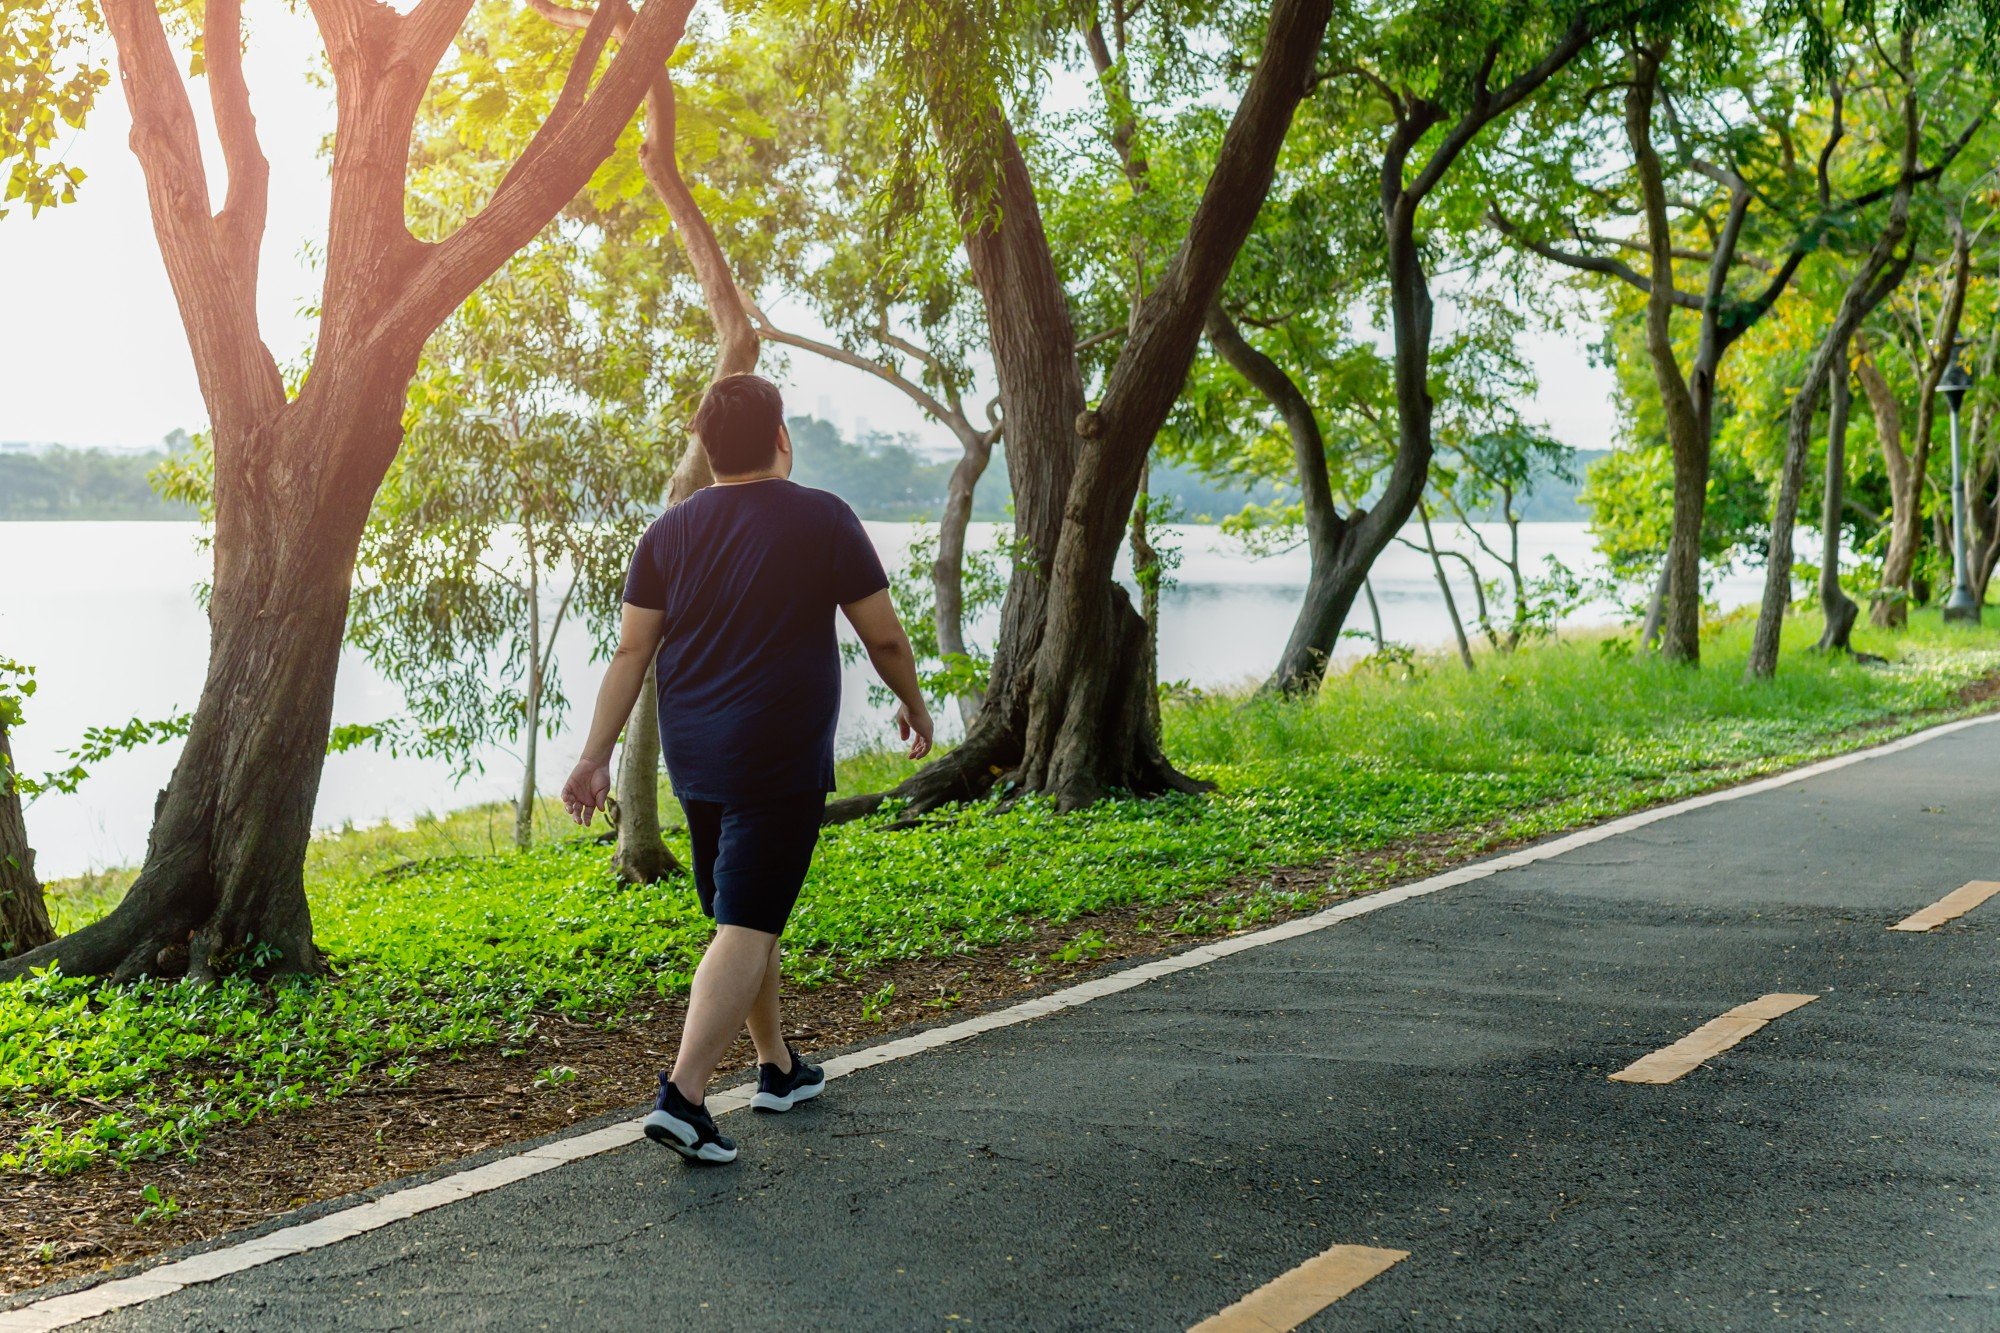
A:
x,y
1430,1078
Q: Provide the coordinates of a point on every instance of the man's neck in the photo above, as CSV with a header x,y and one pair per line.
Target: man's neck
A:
x,y
749,477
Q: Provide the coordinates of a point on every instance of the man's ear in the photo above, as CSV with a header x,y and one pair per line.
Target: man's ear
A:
x,y
784,438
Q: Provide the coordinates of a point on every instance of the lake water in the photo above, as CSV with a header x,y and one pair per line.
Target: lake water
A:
x,y
106,613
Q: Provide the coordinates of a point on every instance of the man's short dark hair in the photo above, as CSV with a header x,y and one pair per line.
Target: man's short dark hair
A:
x,y
738,423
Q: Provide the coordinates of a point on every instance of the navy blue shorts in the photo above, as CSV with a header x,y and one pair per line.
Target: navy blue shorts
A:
x,y
751,857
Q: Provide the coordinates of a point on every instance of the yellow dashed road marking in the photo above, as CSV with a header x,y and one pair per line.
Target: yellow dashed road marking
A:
x,y
1288,1301
1709,1040
1954,904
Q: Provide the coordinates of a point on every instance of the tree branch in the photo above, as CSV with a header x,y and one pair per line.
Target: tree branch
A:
x,y
1490,107
577,134
889,375
562,15
247,205
217,300
1167,322
1615,268
426,32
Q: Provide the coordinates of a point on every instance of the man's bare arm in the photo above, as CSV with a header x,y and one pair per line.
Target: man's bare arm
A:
x,y
589,784
874,619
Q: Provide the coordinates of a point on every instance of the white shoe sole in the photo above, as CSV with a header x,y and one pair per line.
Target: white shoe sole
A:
x,y
771,1101
676,1133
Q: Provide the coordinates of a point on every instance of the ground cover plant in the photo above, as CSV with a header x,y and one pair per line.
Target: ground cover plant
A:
x,y
446,941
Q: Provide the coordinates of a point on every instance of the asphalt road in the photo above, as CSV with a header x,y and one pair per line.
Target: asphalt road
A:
x,y
1431,1078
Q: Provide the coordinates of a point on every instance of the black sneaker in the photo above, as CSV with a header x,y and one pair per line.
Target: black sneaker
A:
x,y
686,1128
782,1091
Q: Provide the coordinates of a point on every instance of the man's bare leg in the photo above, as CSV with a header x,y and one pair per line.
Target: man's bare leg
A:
x,y
767,1029
726,984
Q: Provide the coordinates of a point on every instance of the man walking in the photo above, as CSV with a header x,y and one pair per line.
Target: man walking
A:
x,y
734,591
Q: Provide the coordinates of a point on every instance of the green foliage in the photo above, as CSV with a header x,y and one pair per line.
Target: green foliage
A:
x,y
185,477
158,1207
51,70
983,575
444,946
17,686
99,744
527,471
1627,493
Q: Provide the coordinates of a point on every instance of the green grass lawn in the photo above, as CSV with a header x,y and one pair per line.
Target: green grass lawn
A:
x,y
446,941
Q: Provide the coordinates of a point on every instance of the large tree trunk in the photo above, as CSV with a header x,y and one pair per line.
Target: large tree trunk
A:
x,y
1339,577
1891,609
223,884
24,916
1316,630
1680,627
1838,609
1879,275
223,881
1909,474
1673,616
1067,714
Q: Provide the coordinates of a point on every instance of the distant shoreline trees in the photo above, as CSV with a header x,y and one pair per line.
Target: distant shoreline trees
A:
x,y
64,482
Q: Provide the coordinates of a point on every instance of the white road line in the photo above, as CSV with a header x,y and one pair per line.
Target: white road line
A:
x,y
1950,907
1287,1301
75,1307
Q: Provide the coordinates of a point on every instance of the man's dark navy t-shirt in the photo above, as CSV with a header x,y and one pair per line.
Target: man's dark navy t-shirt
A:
x,y
749,577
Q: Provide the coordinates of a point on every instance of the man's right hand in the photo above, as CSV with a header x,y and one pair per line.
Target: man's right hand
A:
x,y
914,726
588,789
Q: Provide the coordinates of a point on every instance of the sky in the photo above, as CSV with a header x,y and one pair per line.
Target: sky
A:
x,y
92,351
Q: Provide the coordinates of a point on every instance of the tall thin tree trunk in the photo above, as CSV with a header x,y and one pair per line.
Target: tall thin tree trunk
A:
x,y
1983,497
24,916
641,855
1838,609
1680,627
524,809
1656,605
1909,473
1891,608
1878,278
1687,401
1146,572
1374,615
948,570
1444,588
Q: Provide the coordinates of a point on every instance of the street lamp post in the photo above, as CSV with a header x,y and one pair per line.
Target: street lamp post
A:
x,y
1962,605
